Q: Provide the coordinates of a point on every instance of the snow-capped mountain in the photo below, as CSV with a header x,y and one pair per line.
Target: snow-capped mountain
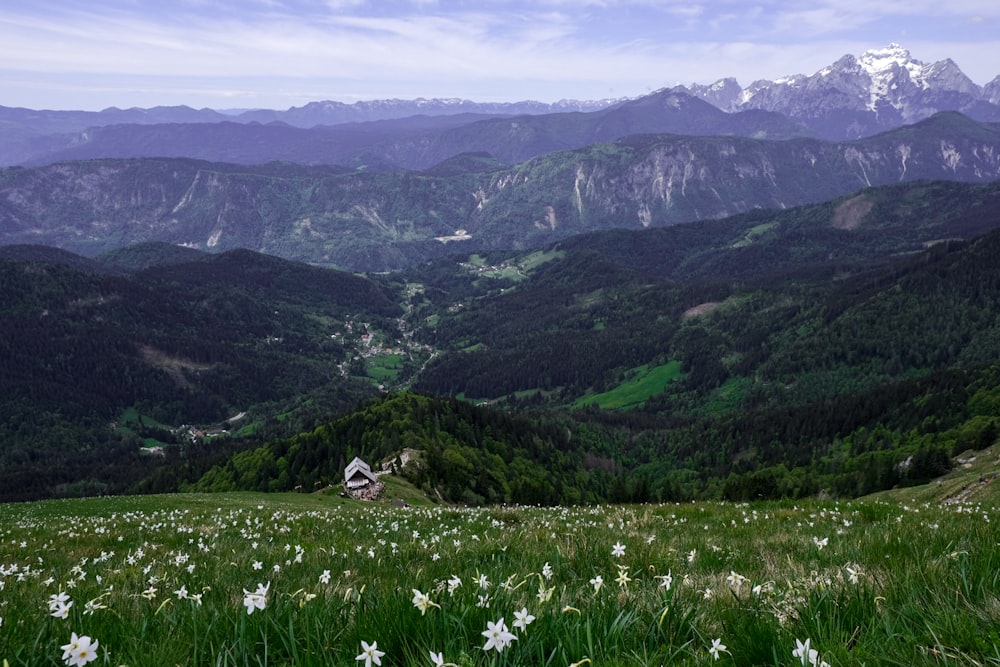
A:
x,y
860,96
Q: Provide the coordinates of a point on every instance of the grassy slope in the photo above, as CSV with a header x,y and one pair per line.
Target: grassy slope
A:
x,y
644,383
971,481
867,582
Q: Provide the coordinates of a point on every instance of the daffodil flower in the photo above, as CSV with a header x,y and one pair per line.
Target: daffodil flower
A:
x,y
256,599
802,652
716,648
61,609
80,650
498,637
370,654
809,657
421,601
522,619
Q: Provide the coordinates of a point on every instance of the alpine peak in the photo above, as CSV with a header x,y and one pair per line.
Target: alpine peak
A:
x,y
876,61
859,96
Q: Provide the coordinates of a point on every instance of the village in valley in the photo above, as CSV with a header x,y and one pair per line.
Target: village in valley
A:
x,y
386,354
390,359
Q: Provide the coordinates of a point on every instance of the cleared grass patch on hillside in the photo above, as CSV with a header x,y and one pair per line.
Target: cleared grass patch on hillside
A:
x,y
644,383
754,233
514,270
312,580
727,397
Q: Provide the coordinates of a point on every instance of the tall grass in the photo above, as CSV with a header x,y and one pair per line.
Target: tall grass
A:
x,y
163,581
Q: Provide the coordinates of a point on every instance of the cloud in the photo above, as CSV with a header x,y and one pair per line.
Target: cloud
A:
x,y
819,21
510,49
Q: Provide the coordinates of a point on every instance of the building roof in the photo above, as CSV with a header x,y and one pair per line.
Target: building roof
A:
x,y
356,467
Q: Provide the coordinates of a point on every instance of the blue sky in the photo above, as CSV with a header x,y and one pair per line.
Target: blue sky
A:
x,y
277,54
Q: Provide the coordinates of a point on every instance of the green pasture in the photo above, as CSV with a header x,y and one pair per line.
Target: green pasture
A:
x,y
312,579
644,383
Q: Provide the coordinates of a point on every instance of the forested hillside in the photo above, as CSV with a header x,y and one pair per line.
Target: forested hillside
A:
x,y
192,343
464,454
804,387
901,434
769,333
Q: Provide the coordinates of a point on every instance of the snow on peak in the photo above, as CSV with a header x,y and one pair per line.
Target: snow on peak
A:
x,y
879,62
881,65
790,80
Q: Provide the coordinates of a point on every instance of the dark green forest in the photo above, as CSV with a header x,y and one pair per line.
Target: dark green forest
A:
x,y
475,454
187,344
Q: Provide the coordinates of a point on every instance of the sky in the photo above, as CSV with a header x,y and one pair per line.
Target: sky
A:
x,y
277,54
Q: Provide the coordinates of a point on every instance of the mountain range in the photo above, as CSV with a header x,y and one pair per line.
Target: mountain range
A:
x,y
33,136
422,141
852,98
860,96
374,220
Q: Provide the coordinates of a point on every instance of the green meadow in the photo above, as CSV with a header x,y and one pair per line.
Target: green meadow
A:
x,y
308,579
644,383
385,367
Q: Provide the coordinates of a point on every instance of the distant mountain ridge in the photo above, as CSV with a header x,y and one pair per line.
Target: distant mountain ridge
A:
x,y
416,142
852,98
369,221
326,112
329,112
860,96
29,133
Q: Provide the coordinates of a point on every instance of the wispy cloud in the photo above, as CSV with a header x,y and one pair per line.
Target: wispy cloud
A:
x,y
505,50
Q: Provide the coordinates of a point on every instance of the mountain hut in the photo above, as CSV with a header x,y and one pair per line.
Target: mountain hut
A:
x,y
358,474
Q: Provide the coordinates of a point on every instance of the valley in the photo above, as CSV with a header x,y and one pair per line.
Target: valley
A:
x,y
776,335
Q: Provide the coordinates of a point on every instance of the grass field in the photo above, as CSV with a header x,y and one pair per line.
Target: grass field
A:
x,y
130,421
644,383
384,367
249,579
514,272
753,233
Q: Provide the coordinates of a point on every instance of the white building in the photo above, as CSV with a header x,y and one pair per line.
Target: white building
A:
x,y
358,474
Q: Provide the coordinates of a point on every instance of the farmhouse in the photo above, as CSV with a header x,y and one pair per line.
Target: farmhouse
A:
x,y
360,482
